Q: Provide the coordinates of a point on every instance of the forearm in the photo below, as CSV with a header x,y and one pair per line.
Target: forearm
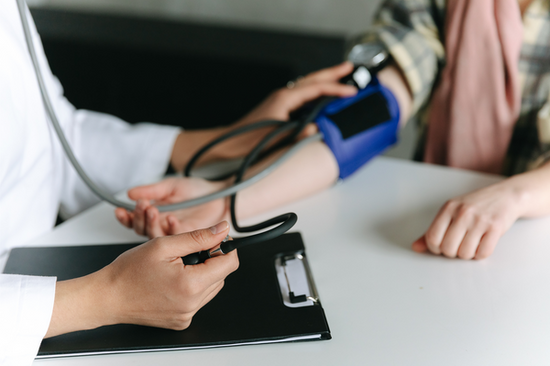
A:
x,y
311,170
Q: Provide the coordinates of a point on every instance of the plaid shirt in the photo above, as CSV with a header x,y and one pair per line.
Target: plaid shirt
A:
x,y
412,31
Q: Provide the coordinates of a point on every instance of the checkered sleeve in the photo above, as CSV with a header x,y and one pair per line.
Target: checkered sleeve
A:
x,y
411,29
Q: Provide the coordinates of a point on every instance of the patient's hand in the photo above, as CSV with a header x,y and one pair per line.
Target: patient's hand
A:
x,y
470,226
147,220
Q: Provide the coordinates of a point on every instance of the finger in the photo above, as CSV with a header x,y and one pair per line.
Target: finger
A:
x,y
333,73
215,269
436,232
195,241
211,293
139,217
174,226
153,227
453,237
156,191
419,245
487,244
123,217
469,245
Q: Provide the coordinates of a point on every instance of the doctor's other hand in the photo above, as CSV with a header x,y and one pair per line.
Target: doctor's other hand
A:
x,y
277,106
147,220
469,226
284,101
147,285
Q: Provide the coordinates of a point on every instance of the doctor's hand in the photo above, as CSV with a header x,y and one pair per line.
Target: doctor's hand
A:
x,y
469,226
147,220
284,101
147,285
278,106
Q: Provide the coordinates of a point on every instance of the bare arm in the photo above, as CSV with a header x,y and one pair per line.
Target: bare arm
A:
x,y
311,170
392,78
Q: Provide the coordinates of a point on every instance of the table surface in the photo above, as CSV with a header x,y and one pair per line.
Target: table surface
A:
x,y
385,304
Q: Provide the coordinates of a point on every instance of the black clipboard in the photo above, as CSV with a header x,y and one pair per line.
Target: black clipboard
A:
x,y
257,296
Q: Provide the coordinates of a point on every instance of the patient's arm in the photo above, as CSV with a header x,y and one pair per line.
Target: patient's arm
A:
x,y
311,170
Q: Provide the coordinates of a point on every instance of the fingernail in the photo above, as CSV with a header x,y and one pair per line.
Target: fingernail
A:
x,y
222,226
150,214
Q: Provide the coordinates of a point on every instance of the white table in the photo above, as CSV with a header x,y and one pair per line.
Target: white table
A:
x,y
385,304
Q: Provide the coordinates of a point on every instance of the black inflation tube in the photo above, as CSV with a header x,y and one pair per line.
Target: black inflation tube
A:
x,y
285,221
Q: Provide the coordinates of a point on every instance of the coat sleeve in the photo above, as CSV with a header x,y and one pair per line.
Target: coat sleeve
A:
x,y
115,154
411,30
26,304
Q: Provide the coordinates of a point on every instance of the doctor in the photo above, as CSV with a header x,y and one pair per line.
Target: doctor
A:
x,y
37,181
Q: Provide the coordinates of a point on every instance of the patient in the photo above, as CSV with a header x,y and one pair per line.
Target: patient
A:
x,y
479,114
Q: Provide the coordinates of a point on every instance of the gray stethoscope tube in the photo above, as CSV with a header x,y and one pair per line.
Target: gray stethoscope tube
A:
x,y
106,195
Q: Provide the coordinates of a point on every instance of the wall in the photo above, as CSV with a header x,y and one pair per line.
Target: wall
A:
x,y
318,16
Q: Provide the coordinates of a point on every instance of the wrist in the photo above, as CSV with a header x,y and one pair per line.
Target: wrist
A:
x,y
521,193
79,305
531,192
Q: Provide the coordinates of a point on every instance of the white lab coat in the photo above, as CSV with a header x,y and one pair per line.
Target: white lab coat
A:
x,y
36,180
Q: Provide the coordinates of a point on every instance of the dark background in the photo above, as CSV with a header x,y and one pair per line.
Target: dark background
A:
x,y
179,73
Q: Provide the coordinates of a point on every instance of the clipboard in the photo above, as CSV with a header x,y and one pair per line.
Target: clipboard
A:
x,y
271,298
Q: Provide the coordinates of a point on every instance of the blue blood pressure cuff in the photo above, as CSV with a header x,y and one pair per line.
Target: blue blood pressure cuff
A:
x,y
358,128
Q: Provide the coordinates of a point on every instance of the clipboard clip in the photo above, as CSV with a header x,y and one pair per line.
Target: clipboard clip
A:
x,y
296,281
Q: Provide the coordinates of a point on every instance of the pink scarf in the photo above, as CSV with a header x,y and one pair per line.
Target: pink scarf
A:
x,y
476,104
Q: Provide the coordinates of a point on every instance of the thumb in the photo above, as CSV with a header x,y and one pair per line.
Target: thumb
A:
x,y
196,241
156,191
420,245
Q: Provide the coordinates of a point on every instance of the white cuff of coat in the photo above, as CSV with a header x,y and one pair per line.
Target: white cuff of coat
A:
x,y
26,305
